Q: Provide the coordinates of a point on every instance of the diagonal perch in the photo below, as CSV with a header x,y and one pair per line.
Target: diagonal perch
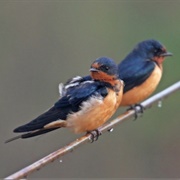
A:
x,y
84,139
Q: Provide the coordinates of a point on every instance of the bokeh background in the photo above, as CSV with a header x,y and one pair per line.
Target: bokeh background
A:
x,y
43,43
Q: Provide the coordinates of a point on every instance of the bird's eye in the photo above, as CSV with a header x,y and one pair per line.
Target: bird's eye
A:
x,y
155,50
104,68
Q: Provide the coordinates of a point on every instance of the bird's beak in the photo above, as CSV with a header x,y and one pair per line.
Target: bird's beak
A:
x,y
93,70
166,54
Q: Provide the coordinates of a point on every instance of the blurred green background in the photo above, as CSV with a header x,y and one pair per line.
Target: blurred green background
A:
x,y
43,43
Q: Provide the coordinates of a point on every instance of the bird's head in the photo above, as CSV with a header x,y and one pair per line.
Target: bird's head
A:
x,y
104,69
152,50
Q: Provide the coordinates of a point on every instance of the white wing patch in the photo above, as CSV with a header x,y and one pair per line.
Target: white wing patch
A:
x,y
62,90
71,85
90,81
76,78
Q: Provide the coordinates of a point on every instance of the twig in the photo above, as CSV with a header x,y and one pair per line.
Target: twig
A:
x,y
84,139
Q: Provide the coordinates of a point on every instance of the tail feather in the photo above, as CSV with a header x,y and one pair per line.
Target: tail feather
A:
x,y
49,116
31,134
12,139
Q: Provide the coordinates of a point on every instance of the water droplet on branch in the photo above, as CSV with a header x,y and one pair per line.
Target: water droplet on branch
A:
x,y
159,104
111,130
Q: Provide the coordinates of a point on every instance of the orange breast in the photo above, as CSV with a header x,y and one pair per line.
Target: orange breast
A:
x,y
94,112
141,92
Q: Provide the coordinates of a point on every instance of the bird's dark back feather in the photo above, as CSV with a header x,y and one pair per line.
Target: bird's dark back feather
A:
x,y
134,70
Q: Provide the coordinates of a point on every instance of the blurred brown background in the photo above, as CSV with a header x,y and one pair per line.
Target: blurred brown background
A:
x,y
43,43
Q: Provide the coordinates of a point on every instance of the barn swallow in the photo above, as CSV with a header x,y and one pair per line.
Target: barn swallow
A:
x,y
83,108
141,71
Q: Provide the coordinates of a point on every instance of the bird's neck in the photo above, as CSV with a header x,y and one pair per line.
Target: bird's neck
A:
x,y
114,84
159,61
108,80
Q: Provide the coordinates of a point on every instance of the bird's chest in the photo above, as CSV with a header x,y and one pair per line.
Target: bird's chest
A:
x,y
94,112
141,92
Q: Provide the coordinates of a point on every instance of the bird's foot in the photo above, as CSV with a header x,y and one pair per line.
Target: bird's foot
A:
x,y
138,108
94,135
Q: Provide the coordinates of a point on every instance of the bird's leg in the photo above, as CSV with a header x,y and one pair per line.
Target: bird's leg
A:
x,y
138,108
94,135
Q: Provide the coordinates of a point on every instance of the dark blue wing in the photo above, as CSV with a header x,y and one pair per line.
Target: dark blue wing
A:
x,y
71,83
75,96
71,102
47,117
135,72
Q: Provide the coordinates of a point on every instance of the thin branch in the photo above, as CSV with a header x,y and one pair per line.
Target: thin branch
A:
x,y
84,139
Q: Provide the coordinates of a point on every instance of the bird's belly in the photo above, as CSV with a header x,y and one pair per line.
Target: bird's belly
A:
x,y
94,113
141,92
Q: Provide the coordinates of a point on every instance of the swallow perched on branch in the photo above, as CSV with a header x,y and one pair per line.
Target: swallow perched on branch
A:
x,y
84,107
141,71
